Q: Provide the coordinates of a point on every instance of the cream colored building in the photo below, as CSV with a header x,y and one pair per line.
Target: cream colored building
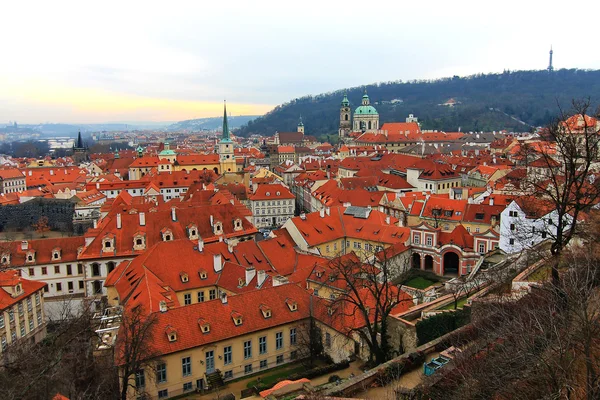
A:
x,y
21,309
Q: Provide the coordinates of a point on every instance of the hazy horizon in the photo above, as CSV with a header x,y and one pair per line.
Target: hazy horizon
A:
x,y
149,61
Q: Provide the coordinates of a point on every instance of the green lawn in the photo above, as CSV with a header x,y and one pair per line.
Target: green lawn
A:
x,y
460,304
418,282
269,380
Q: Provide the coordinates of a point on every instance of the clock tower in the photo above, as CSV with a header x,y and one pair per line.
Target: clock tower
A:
x,y
345,122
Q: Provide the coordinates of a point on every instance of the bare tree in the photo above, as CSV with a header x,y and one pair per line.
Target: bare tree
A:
x,y
366,299
134,352
63,362
569,184
543,345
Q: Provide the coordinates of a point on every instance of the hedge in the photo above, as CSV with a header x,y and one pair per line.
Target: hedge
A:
x,y
438,325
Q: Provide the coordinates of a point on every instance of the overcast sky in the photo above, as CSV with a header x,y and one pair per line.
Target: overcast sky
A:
x,y
103,61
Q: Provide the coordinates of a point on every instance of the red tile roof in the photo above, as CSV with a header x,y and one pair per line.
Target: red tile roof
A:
x,y
275,191
219,317
12,278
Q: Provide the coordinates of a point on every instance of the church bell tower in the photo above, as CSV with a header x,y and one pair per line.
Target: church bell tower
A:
x,y
345,122
226,155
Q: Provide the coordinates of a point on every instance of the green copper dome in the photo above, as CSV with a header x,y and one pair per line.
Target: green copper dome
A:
x,y
365,110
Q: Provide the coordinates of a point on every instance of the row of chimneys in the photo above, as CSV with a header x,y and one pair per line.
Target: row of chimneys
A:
x,y
142,217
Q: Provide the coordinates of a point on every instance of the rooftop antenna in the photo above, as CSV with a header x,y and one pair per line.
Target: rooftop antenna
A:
x,y
550,67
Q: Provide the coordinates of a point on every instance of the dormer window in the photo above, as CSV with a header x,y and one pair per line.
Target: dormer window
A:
x,y
139,242
268,194
167,235
5,258
204,325
240,282
237,224
237,318
292,305
108,243
319,274
330,310
184,277
218,228
56,254
171,334
266,311
202,274
30,257
192,232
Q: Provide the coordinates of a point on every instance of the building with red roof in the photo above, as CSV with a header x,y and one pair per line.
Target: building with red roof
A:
x,y
52,261
341,230
22,314
12,180
128,230
271,205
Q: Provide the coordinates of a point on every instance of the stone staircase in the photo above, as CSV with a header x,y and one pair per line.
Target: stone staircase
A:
x,y
214,380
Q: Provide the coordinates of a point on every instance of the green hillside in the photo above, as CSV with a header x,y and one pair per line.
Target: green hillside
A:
x,y
511,100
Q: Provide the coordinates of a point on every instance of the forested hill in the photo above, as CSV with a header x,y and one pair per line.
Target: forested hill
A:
x,y
511,100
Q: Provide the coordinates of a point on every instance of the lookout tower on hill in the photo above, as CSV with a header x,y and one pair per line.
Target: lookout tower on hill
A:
x,y
550,67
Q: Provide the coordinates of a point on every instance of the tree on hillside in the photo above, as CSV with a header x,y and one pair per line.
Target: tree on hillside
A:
x,y
366,299
570,184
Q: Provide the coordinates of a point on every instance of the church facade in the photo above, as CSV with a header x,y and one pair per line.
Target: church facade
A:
x,y
365,118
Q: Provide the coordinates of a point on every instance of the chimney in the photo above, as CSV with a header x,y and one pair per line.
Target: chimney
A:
x,y
230,246
303,216
51,172
491,201
95,222
279,280
322,212
327,210
98,185
173,215
224,298
118,220
217,262
24,245
401,222
388,219
261,276
250,274
211,220
142,219
200,245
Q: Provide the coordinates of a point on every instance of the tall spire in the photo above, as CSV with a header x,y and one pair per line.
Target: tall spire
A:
x,y
225,126
79,141
550,67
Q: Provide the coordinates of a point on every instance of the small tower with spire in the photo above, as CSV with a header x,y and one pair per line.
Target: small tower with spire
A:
x,y
226,154
300,125
550,67
345,122
79,150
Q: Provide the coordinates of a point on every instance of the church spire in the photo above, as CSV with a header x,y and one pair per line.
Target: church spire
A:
x,y
225,126
79,141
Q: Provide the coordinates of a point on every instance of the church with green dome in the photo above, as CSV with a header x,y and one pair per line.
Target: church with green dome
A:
x,y
364,119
